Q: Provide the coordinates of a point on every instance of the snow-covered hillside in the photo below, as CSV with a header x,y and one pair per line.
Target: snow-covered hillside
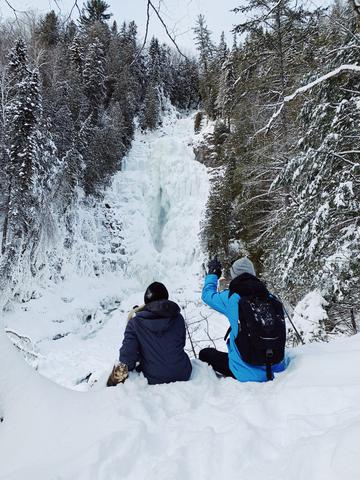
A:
x,y
304,425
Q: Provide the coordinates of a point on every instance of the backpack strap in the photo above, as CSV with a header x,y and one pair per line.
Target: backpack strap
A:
x,y
269,357
229,329
227,334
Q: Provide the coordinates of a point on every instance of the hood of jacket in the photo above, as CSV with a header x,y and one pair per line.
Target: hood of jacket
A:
x,y
248,285
159,315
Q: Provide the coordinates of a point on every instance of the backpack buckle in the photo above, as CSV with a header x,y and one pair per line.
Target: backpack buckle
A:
x,y
269,354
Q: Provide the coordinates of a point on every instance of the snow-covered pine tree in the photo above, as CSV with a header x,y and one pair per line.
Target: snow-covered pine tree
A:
x,y
94,78
219,224
21,229
208,66
154,63
222,50
149,118
122,83
318,242
76,54
226,93
150,114
184,91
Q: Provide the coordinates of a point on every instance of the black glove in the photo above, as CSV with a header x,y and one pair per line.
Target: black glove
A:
x,y
214,266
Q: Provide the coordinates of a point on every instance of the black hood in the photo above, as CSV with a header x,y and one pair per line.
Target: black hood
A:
x,y
162,308
159,315
248,285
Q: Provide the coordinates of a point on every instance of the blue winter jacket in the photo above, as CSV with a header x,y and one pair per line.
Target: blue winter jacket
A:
x,y
228,305
156,338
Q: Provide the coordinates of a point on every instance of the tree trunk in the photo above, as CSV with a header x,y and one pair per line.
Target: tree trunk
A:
x,y
6,223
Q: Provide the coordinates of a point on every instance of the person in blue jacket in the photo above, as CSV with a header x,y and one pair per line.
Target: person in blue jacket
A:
x,y
154,341
231,364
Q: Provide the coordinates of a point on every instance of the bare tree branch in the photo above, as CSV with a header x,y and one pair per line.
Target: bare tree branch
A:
x,y
75,5
16,11
188,333
165,27
146,35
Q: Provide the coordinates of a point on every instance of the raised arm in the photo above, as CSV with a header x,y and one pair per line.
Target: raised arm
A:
x,y
210,295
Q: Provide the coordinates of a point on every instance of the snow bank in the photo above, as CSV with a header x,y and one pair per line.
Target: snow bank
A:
x,y
304,425
309,316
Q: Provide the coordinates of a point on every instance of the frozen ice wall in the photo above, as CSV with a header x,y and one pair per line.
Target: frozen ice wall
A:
x,y
160,197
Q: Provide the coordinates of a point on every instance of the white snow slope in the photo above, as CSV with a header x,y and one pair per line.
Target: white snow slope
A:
x,y
304,425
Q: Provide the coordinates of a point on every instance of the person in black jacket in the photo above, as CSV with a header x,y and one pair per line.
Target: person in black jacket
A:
x,y
154,341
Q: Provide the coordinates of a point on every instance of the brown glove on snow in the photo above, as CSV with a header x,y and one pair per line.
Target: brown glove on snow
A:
x,y
118,375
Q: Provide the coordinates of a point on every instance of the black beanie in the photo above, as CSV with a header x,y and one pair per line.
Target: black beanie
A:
x,y
156,291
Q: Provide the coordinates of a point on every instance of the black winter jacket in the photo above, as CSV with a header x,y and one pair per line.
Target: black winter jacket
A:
x,y
156,338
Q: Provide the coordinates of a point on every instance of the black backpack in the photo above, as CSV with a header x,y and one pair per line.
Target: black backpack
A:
x,y
262,331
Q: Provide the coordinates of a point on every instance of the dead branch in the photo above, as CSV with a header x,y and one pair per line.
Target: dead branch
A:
x,y
166,29
188,333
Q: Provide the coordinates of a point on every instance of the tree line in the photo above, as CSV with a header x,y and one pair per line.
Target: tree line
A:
x,y
285,102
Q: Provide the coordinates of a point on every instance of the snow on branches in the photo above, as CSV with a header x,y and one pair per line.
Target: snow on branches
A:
x,y
305,88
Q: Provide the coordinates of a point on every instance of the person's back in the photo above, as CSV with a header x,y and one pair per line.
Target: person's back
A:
x,y
154,341
160,332
244,284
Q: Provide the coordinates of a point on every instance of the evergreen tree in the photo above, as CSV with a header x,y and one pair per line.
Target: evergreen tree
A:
x,y
94,78
76,54
149,118
222,50
25,167
225,100
208,67
204,43
219,226
48,30
154,64
94,11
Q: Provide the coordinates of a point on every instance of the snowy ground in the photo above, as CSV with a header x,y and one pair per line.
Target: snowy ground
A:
x,y
305,425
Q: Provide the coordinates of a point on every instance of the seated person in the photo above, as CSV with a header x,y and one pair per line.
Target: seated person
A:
x,y
245,285
155,339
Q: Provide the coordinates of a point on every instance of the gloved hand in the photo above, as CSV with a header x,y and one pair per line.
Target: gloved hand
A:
x,y
118,375
214,266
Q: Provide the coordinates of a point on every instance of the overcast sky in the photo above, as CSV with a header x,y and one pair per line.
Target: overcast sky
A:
x,y
180,15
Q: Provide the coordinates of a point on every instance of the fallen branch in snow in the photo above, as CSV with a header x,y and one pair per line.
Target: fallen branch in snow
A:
x,y
26,341
305,88
20,337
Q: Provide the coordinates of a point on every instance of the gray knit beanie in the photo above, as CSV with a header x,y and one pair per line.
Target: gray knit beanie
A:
x,y
243,265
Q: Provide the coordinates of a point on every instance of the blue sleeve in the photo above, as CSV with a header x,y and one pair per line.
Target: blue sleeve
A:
x,y
130,349
210,295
